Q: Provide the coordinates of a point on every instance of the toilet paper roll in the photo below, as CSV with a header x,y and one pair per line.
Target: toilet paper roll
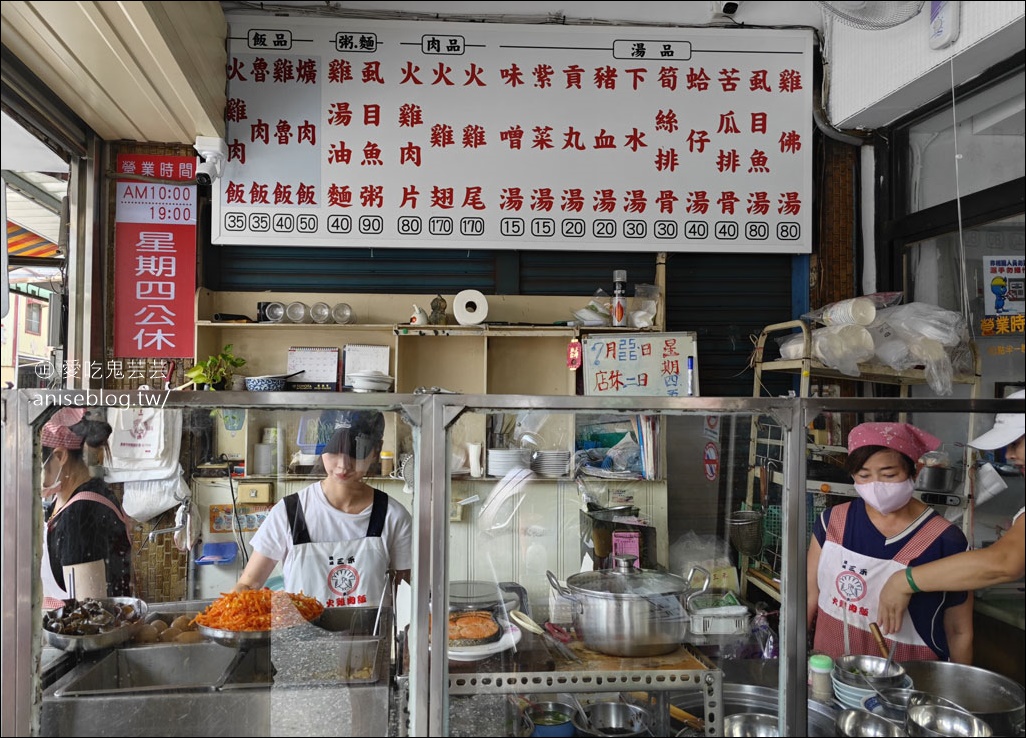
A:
x,y
470,307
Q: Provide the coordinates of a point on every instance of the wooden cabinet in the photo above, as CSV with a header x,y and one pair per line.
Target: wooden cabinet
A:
x,y
522,350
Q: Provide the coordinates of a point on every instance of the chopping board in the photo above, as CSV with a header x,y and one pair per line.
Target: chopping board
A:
x,y
683,659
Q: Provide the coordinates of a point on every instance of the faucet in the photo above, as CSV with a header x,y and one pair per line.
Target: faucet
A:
x,y
183,515
154,533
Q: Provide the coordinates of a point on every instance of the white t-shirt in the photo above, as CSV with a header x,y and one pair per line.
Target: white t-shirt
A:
x,y
325,523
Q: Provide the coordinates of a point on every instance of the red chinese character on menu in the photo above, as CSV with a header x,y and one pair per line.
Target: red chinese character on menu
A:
x,y
789,203
543,74
511,198
729,79
573,200
668,78
512,75
574,74
790,80
727,202
758,203
667,160
572,140
666,120
666,201
698,81
442,135
760,164
542,200
698,202
513,136
758,82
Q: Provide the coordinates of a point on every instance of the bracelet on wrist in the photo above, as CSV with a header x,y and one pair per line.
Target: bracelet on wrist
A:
x,y
910,580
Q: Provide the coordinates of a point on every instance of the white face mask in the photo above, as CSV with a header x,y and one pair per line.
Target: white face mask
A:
x,y
886,496
50,489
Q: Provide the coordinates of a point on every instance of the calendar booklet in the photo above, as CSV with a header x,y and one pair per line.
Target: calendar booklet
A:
x,y
320,367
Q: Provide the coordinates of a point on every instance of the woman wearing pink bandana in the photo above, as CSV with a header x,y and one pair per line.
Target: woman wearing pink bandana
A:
x,y
86,530
858,545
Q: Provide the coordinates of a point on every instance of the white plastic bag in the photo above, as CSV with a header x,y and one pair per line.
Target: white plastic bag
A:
x,y
920,319
146,499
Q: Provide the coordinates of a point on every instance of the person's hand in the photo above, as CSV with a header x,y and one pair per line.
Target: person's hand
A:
x,y
894,598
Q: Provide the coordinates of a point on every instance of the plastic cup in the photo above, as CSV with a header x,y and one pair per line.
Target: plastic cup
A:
x,y
857,311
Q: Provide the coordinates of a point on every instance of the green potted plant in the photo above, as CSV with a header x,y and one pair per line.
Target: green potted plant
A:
x,y
215,372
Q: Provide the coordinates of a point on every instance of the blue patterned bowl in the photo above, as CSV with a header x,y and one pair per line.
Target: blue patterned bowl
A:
x,y
270,383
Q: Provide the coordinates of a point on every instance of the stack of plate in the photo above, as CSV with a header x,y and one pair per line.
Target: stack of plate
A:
x,y
550,463
502,460
852,697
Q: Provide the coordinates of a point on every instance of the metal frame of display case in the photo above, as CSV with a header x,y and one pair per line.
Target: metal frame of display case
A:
x,y
429,681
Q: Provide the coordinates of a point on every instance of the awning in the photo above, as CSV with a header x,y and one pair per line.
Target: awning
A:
x,y
22,242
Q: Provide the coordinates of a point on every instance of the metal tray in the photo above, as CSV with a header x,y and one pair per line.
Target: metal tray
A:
x,y
100,641
236,638
247,638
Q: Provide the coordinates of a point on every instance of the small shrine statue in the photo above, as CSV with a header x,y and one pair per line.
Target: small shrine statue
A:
x,y
437,316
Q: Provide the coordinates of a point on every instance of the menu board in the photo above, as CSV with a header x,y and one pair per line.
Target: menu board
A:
x,y
658,364
345,132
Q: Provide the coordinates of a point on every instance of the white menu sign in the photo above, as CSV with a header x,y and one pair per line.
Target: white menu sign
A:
x,y
404,133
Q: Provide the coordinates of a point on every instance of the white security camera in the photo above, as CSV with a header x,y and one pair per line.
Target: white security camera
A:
x,y
214,152
727,8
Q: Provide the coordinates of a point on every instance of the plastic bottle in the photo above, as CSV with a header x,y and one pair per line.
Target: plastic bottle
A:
x,y
619,307
821,682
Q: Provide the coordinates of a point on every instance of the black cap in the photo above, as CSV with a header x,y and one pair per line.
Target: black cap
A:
x,y
353,432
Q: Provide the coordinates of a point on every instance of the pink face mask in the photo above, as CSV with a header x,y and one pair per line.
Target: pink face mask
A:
x,y
886,496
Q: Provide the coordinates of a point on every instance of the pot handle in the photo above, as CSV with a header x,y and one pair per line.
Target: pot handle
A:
x,y
560,589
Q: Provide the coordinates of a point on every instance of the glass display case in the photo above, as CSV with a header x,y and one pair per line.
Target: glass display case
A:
x,y
585,557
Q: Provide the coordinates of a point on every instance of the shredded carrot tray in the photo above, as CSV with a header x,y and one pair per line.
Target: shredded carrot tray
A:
x,y
259,610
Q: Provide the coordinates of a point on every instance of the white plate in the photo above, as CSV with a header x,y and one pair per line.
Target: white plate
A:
x,y
509,639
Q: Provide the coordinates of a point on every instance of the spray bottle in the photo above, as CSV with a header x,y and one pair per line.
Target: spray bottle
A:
x,y
619,306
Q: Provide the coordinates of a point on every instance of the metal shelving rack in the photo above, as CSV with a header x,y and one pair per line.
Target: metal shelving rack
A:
x,y
765,456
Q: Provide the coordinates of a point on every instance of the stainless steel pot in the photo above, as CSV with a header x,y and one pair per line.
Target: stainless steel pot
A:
x,y
997,700
626,611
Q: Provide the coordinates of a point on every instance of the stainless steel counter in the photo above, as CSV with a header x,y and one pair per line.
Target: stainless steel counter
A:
x,y
298,684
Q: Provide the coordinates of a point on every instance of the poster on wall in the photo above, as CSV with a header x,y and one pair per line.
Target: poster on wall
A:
x,y
1004,292
408,133
155,256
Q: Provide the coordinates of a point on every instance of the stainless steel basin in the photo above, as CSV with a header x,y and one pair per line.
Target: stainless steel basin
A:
x,y
150,668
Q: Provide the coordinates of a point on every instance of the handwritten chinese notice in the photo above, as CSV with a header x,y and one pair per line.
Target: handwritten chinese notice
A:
x,y
659,364
407,133
155,256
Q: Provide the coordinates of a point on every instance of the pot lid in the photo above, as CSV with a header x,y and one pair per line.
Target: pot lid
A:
x,y
479,595
624,579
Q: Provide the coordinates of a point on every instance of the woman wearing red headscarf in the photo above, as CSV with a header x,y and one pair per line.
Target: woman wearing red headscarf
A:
x,y
85,539
857,545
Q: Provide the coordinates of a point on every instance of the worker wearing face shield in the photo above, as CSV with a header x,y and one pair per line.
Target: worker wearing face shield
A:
x,y
338,537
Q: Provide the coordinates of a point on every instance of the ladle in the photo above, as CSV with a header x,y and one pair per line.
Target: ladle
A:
x,y
585,720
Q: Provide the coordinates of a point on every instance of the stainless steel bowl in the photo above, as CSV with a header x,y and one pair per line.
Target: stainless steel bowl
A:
x,y
896,701
750,724
866,672
935,720
861,724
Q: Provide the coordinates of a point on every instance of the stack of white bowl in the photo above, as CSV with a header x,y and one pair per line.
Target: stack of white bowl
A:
x,y
550,463
852,697
502,460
